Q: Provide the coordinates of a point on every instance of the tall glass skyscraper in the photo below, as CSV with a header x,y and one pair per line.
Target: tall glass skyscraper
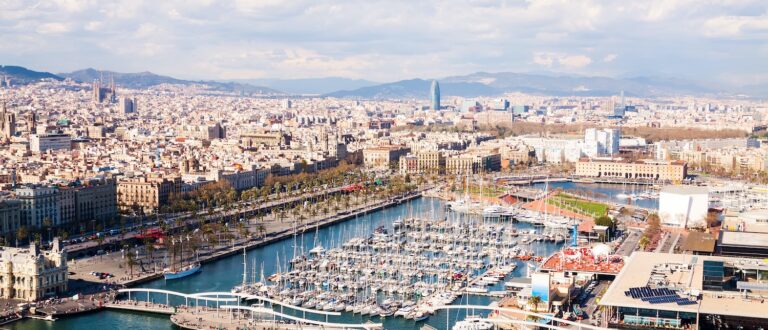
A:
x,y
434,95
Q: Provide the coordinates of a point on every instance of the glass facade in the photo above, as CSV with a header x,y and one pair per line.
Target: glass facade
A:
x,y
435,95
642,317
714,273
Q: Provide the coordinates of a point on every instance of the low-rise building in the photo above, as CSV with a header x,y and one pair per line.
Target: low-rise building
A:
x,y
31,274
204,132
684,206
266,138
40,143
617,168
680,291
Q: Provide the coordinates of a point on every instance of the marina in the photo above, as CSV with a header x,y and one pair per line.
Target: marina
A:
x,y
419,264
225,274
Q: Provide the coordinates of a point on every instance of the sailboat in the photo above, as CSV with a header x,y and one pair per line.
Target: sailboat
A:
x,y
241,288
622,194
184,271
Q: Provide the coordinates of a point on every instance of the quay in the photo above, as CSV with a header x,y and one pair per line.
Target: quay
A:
x,y
81,248
533,179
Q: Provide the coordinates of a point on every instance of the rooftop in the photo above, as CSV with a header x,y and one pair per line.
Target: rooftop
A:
x,y
699,242
740,238
583,260
685,274
685,190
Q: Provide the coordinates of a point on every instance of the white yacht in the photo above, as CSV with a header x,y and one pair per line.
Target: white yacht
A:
x,y
473,323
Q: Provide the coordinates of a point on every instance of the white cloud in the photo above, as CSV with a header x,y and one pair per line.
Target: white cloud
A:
x,y
93,26
384,39
736,26
53,28
567,61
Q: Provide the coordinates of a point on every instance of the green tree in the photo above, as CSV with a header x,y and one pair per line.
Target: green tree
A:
x,y
604,220
21,234
149,247
534,302
643,242
262,229
131,261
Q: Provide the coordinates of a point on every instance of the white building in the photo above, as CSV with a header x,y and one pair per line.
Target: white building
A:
x,y
601,142
555,150
684,206
43,142
31,274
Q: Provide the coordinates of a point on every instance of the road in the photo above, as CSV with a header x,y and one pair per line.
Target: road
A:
x,y
243,207
669,244
630,243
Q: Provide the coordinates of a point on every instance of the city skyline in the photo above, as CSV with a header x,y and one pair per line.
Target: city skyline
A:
x,y
723,42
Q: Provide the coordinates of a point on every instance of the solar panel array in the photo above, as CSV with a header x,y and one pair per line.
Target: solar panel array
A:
x,y
657,296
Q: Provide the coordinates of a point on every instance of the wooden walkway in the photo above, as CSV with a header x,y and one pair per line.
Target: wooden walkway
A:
x,y
142,307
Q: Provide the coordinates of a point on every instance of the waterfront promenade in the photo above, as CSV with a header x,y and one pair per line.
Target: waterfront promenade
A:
x,y
242,208
275,230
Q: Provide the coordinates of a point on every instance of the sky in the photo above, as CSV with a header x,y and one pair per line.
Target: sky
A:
x,y
724,41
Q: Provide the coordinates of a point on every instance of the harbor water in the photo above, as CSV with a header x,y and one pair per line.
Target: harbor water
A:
x,y
606,192
224,274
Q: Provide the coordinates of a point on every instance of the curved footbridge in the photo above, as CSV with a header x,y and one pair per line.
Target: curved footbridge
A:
x,y
219,311
223,310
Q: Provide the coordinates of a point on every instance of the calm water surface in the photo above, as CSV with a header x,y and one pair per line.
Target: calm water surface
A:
x,y
607,192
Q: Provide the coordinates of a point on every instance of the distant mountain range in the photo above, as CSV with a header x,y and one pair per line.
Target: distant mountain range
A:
x,y
148,79
310,86
491,84
472,85
22,75
416,88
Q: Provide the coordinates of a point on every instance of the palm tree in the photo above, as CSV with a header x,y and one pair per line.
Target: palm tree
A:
x,y
643,242
100,240
534,302
131,261
149,247
261,229
242,229
47,225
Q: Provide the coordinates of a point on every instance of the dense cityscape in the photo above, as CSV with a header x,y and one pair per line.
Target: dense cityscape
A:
x,y
476,202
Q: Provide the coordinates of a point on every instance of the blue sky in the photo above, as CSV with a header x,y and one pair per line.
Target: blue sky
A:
x,y
725,41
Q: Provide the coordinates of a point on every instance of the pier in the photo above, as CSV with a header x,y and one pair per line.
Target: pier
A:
x,y
192,315
142,307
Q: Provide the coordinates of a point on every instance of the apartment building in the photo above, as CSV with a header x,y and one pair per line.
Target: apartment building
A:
x,y
382,156
473,162
147,193
38,203
10,216
428,162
